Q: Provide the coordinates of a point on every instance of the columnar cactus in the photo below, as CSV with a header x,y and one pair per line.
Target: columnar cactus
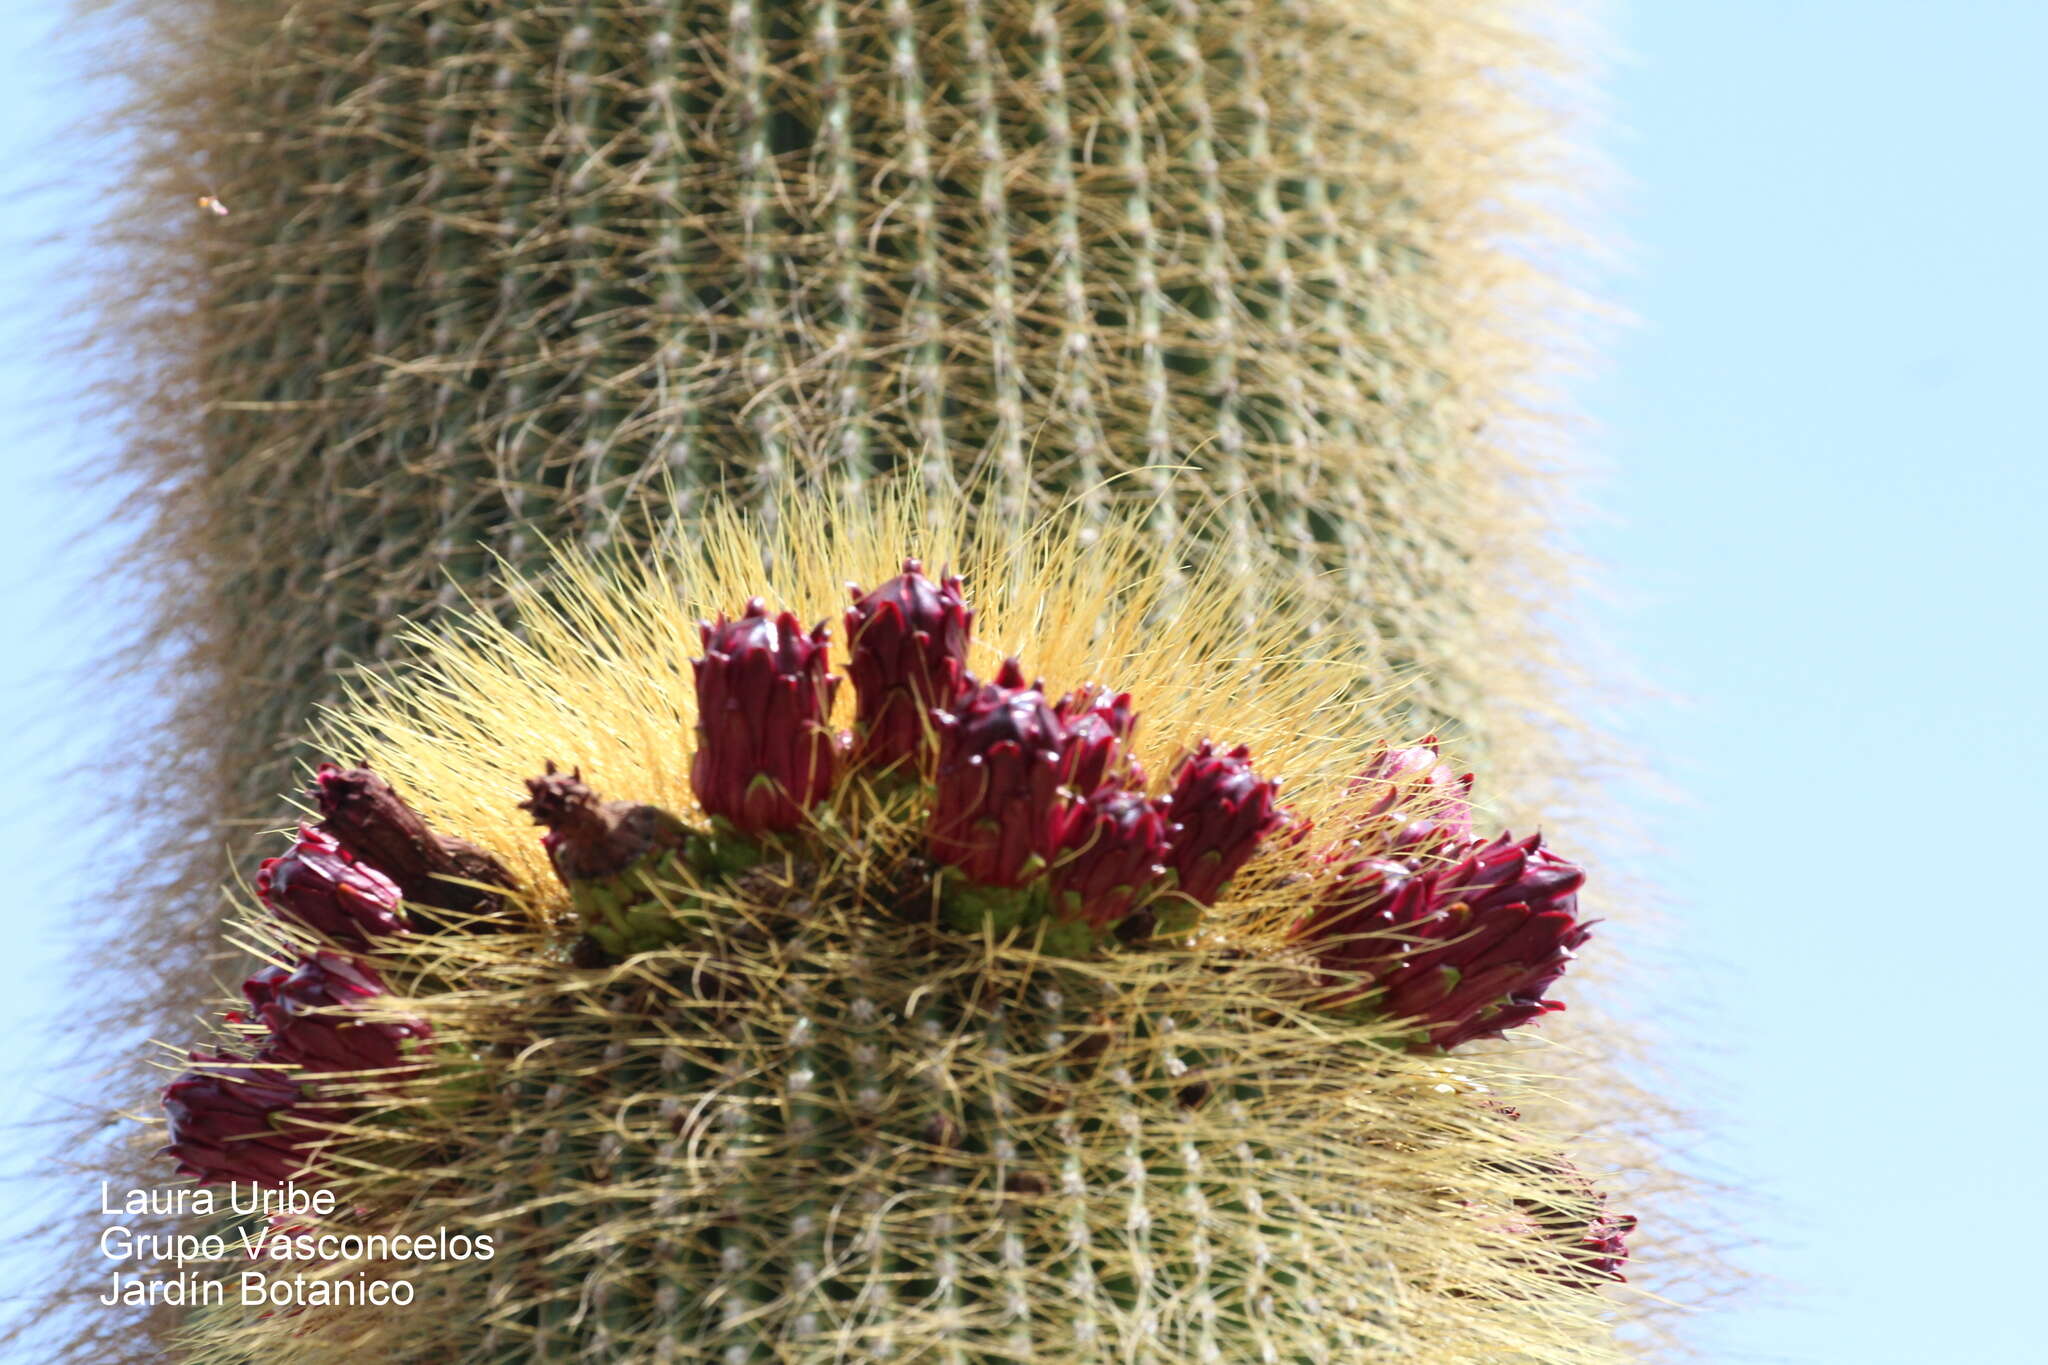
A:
x,y
916,1068
467,283
462,284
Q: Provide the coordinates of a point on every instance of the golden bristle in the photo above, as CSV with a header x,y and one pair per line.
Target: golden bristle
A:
x,y
594,670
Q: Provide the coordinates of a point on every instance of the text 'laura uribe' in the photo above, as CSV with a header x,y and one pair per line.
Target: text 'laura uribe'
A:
x,y
256,1235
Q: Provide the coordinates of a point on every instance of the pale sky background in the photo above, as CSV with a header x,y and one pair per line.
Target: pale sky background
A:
x,y
1824,499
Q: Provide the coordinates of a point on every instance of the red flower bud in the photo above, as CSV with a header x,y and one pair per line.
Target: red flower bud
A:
x,y
1601,1249
1466,950
1098,725
1505,927
365,816
1111,850
999,775
907,656
231,1119
305,1010
1416,803
318,884
765,749
1221,810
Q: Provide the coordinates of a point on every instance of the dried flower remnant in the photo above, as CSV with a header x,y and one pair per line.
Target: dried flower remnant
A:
x,y
367,817
607,854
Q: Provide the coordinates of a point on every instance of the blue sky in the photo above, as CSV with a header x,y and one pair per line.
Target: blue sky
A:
x,y
1823,526
1827,484
52,618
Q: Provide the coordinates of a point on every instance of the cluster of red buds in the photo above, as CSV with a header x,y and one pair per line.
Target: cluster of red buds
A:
x,y
351,879
255,1118
1038,817
1419,921
1038,809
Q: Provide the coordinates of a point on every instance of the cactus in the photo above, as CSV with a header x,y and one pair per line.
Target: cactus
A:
x,y
476,281
468,283
876,1079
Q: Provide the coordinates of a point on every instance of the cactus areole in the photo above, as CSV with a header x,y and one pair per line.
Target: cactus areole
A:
x,y
884,1036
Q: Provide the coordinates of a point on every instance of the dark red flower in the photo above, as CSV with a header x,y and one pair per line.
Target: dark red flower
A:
x,y
306,1010
999,774
232,1118
1111,847
907,655
1098,725
1465,950
318,884
1221,810
765,749
365,816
